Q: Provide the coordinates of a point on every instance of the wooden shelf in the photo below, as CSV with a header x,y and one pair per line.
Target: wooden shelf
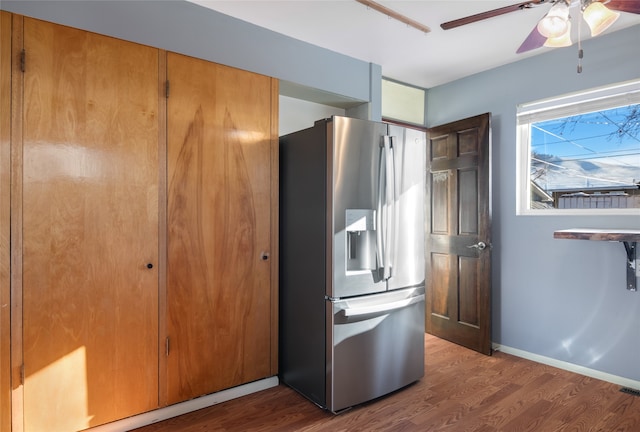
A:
x,y
598,234
630,239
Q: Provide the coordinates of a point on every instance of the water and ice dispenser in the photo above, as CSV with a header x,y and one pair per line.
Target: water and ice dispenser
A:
x,y
361,239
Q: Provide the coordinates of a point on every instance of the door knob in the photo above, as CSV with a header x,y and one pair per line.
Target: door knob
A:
x,y
264,256
479,246
149,266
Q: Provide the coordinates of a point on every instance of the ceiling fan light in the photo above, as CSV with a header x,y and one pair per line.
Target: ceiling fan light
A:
x,y
599,17
555,23
563,40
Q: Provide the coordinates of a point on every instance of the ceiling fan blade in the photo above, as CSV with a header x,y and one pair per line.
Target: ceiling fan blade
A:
x,y
492,13
632,6
533,41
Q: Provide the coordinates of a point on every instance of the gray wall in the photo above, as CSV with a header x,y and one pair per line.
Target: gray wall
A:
x,y
563,299
297,114
190,29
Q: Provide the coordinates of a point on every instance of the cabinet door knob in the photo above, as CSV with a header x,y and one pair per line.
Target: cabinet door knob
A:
x,y
149,266
265,256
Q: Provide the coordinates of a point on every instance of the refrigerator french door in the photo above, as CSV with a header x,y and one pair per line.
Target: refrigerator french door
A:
x,y
352,260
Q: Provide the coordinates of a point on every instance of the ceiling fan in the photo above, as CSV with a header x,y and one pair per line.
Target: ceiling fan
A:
x,y
554,29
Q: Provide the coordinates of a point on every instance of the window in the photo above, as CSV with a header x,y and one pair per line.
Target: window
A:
x,y
403,102
580,153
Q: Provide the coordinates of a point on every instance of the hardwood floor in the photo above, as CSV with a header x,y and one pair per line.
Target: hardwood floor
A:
x,y
462,391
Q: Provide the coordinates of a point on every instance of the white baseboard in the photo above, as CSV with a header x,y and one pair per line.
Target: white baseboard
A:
x,y
161,414
614,379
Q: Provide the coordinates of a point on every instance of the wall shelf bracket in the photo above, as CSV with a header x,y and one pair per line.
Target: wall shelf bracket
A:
x,y
633,265
629,238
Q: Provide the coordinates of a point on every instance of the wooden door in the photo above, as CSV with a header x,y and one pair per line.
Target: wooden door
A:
x,y
90,228
459,232
219,219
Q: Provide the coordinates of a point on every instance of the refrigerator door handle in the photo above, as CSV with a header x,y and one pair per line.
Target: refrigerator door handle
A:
x,y
385,307
392,206
380,218
386,208
388,215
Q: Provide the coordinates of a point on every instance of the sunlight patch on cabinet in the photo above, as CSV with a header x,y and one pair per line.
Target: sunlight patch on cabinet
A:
x,y
65,381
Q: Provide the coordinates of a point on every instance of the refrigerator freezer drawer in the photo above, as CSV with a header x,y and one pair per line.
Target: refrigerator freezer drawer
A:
x,y
376,346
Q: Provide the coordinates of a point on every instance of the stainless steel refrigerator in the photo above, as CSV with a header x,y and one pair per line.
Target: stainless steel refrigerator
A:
x,y
352,270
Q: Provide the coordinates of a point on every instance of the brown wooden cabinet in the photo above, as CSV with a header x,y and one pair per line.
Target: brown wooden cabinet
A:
x,y
5,221
137,221
90,228
219,227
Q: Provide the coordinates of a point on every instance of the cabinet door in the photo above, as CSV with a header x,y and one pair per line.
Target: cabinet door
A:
x,y
90,228
5,220
218,280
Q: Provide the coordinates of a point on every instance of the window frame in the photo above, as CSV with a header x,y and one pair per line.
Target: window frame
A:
x,y
606,97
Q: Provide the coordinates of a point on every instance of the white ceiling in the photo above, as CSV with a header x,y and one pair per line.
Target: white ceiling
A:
x,y
404,53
